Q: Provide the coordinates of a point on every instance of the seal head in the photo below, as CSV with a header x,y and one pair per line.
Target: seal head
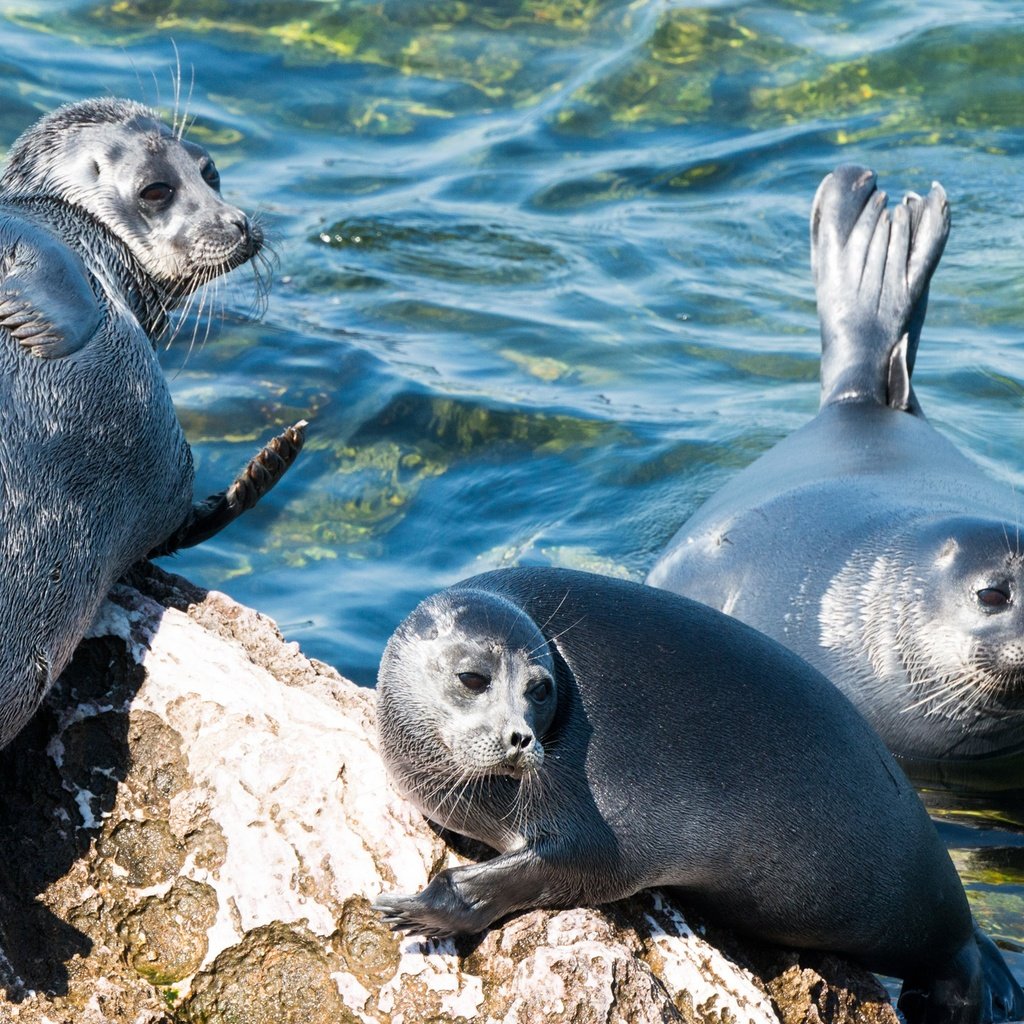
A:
x,y
470,678
932,622
156,191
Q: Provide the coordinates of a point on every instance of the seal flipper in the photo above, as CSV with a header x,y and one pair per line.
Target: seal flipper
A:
x,y
45,299
468,899
1003,995
211,515
871,272
975,988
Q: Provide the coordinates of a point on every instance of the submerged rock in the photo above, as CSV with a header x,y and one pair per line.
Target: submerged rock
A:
x,y
194,825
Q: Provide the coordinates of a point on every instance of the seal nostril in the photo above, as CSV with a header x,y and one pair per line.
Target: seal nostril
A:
x,y
520,740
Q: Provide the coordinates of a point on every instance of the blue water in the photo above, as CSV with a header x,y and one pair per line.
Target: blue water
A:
x,y
542,282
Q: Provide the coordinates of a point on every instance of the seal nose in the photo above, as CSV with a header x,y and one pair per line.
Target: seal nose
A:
x,y
249,234
517,743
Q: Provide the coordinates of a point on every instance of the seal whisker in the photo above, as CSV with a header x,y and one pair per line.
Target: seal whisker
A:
x,y
557,609
561,633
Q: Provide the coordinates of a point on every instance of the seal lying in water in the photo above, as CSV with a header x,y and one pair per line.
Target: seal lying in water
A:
x,y
865,541
107,220
605,736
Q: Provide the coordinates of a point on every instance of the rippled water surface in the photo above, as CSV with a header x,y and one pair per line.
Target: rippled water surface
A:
x,y
543,280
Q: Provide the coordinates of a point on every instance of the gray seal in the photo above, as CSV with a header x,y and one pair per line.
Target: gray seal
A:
x,y
604,737
108,220
865,541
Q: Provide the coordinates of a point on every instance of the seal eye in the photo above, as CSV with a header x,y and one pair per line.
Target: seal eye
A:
x,y
993,597
210,174
540,691
157,192
474,681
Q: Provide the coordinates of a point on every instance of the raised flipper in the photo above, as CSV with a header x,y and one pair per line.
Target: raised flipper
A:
x,y
871,272
46,302
217,511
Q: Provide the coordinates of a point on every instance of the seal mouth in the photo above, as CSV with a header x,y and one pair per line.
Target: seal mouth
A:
x,y
523,764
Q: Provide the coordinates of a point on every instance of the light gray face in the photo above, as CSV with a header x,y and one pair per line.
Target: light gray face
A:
x,y
964,632
159,194
494,684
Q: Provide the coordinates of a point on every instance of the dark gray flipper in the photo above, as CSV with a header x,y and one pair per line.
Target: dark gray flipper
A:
x,y
45,299
871,272
976,987
467,900
210,516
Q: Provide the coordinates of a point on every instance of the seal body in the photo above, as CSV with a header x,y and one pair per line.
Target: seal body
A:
x,y
95,472
865,541
680,748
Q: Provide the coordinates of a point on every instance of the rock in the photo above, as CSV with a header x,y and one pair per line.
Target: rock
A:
x,y
194,825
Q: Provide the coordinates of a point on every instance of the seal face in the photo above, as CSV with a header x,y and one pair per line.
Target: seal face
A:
x,y
107,221
865,541
681,749
493,699
157,192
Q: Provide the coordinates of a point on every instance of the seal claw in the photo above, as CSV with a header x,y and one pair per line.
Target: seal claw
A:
x,y
263,471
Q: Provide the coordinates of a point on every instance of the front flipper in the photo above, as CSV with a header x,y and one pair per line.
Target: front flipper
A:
x,y
259,476
46,302
871,272
466,900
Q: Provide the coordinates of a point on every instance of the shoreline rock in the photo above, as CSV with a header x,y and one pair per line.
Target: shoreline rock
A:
x,y
197,819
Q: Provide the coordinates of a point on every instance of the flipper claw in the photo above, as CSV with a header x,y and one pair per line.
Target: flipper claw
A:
x,y
259,476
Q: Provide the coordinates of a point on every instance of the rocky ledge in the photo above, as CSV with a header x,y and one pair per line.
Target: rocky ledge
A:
x,y
195,823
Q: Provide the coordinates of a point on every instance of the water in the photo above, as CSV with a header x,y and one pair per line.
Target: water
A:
x,y
543,280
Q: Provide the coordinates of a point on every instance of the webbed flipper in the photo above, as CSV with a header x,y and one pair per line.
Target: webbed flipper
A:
x,y
211,515
46,302
871,272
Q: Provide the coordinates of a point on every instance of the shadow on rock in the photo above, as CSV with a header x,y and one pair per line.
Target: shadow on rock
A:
x,y
57,778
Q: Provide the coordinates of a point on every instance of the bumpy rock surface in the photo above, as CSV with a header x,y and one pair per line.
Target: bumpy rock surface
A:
x,y
194,825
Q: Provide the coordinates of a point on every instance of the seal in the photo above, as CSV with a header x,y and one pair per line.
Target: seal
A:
x,y
865,541
108,220
605,737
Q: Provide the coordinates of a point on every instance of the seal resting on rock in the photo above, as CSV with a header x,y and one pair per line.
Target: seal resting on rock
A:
x,y
605,737
865,541
108,219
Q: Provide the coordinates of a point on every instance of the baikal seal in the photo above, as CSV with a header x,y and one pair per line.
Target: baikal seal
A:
x,y
109,219
604,736
865,541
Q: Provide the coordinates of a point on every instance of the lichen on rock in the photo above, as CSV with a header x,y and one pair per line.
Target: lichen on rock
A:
x,y
194,825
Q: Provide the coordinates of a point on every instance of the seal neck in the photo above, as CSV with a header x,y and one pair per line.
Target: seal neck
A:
x,y
106,256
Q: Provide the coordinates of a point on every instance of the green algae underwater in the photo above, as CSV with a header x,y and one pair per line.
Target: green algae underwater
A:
x,y
543,280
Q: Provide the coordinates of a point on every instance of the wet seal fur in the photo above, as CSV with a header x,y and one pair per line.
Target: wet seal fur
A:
x,y
605,737
865,541
108,220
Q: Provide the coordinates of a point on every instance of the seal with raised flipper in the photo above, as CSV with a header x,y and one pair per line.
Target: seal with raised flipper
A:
x,y
604,737
865,541
108,220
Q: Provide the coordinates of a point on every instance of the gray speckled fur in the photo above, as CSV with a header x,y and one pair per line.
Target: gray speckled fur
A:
x,y
863,540
95,471
685,750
